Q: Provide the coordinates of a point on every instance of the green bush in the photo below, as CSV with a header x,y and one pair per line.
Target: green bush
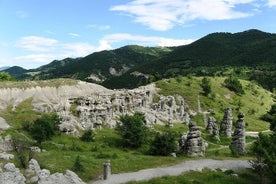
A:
x,y
133,130
233,84
45,127
78,167
164,143
88,136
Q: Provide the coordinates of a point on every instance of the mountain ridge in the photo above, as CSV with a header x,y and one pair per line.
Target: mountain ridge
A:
x,y
209,55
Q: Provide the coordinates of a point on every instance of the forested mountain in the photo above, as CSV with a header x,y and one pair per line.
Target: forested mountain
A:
x,y
250,55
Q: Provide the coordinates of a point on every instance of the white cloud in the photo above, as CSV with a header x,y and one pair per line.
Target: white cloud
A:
x,y
37,58
162,15
99,27
36,43
271,3
73,35
145,40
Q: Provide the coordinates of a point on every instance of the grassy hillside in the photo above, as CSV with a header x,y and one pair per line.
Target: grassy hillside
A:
x,y
255,102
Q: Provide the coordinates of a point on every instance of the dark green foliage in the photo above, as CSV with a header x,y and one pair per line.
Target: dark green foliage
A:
x,y
206,86
22,150
265,148
45,127
164,143
4,76
270,117
133,130
233,84
88,136
78,167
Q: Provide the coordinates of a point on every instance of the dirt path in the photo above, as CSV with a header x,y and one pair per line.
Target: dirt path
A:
x,y
194,165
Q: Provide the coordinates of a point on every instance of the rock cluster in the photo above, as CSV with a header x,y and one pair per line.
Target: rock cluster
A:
x,y
226,123
99,109
11,175
194,144
34,174
6,143
237,145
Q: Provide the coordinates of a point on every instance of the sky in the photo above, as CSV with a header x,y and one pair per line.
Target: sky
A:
x,y
36,32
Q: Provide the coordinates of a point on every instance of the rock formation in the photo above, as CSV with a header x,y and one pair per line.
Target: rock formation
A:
x,y
34,174
212,127
11,175
226,123
87,106
194,145
237,145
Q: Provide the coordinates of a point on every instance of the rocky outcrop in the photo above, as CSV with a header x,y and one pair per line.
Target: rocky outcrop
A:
x,y
3,124
11,175
88,106
237,145
226,123
194,145
212,127
68,178
6,143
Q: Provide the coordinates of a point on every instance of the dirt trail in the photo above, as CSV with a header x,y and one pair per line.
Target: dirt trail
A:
x,y
194,165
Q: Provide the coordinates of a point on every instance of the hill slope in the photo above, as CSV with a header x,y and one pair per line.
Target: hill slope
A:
x,y
213,54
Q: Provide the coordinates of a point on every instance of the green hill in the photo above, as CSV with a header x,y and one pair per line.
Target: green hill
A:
x,y
250,55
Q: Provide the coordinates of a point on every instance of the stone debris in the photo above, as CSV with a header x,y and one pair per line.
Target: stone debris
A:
x,y
3,124
194,145
237,145
226,123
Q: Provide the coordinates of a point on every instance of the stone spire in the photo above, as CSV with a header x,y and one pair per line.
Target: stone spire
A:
x,y
212,127
237,145
194,145
226,123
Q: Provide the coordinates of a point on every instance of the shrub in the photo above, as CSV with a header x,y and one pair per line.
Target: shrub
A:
x,y
163,144
45,127
233,84
206,86
133,130
78,167
88,136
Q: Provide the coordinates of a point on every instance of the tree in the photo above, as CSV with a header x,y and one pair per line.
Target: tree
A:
x,y
88,136
45,127
265,148
4,76
233,84
78,167
206,86
133,130
163,144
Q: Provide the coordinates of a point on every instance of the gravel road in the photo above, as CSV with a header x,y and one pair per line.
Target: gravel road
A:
x,y
194,165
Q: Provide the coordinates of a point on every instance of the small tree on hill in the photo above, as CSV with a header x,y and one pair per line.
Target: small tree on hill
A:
x,y
265,148
206,86
133,130
163,144
233,84
88,136
45,127
78,167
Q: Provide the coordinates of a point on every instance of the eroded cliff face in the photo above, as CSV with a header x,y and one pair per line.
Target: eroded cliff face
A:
x,y
89,106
